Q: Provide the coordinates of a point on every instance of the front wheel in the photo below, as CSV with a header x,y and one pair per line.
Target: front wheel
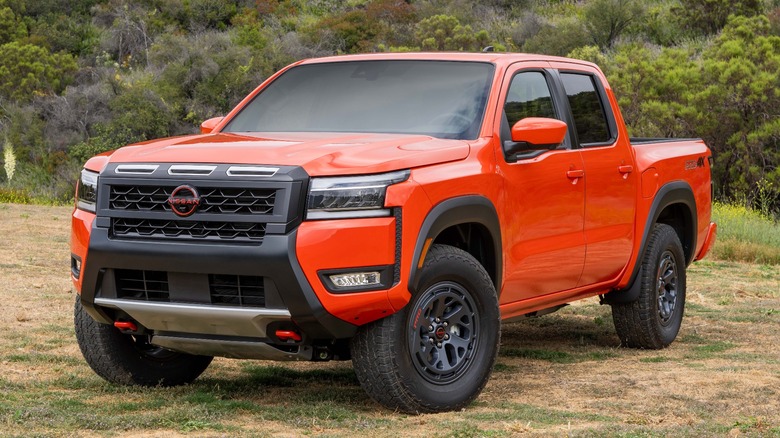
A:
x,y
132,360
654,319
437,353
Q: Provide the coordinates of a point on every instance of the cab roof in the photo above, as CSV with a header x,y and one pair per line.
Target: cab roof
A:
x,y
501,59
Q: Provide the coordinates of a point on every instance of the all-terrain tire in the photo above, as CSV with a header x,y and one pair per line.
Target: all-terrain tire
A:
x,y
131,360
654,319
438,352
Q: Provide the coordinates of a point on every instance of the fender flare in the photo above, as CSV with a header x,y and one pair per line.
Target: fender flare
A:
x,y
455,211
676,192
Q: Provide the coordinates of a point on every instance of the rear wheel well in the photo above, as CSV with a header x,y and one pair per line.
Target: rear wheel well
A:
x,y
475,239
679,217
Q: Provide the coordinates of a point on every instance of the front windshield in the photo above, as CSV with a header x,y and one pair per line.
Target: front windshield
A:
x,y
442,99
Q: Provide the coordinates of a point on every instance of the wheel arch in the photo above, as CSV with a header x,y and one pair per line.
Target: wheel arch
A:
x,y
674,205
467,222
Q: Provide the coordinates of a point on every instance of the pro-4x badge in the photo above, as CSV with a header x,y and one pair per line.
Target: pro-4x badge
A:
x,y
694,164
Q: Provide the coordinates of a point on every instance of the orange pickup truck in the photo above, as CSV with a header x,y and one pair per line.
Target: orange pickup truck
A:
x,y
391,209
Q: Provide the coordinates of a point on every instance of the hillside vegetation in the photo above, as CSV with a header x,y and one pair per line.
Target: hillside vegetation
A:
x,y
79,77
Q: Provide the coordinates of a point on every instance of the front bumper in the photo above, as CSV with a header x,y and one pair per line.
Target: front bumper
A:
x,y
287,265
200,326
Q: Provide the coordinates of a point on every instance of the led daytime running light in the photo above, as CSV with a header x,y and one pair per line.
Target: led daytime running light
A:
x,y
86,191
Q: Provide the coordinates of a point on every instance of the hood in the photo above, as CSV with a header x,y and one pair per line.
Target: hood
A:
x,y
318,153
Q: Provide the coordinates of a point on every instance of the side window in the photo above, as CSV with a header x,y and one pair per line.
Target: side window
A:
x,y
586,108
528,96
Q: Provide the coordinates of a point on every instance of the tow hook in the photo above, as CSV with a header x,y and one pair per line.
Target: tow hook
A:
x,y
126,326
288,335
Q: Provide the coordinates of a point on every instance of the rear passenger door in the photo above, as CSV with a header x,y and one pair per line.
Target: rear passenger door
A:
x,y
610,180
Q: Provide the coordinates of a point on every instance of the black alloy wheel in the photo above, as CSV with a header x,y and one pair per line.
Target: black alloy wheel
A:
x,y
444,332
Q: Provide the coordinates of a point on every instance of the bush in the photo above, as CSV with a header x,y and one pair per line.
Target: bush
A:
x,y
558,37
27,71
707,17
745,235
445,32
607,20
14,196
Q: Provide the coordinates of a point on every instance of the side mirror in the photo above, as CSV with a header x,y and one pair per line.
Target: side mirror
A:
x,y
209,125
535,133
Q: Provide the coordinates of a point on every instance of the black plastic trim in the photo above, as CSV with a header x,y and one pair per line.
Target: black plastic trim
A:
x,y
275,260
456,211
398,214
675,192
75,266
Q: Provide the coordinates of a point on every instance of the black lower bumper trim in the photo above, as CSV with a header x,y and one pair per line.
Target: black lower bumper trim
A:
x,y
275,260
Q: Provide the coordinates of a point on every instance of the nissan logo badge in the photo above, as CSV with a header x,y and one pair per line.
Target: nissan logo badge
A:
x,y
184,200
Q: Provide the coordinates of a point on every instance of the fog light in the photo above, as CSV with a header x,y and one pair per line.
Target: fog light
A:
x,y
360,279
355,279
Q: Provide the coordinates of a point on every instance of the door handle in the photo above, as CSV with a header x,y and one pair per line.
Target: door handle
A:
x,y
574,174
625,168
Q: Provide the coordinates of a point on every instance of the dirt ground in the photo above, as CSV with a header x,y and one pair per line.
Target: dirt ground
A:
x,y
562,374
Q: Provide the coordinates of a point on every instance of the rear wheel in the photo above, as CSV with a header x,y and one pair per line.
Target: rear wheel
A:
x,y
132,360
654,319
437,353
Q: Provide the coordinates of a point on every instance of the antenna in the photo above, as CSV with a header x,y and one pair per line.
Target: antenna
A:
x,y
489,49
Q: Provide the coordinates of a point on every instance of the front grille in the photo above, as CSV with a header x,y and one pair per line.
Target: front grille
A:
x,y
212,200
237,290
142,285
235,203
191,230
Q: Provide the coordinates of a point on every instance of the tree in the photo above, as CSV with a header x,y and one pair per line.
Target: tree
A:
x,y
128,35
557,37
27,71
728,93
445,32
60,32
11,28
739,106
707,17
607,20
353,30
203,76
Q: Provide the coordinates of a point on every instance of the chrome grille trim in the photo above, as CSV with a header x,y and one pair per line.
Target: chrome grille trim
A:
x,y
190,170
136,169
265,172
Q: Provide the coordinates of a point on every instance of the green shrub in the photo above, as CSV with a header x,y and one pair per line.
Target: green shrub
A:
x,y
27,71
745,235
14,196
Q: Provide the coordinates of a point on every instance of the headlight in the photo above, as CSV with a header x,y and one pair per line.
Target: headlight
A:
x,y
351,196
86,191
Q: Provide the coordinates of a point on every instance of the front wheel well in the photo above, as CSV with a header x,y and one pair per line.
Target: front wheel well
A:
x,y
475,239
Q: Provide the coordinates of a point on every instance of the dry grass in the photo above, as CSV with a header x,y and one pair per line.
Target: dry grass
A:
x,y
562,374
